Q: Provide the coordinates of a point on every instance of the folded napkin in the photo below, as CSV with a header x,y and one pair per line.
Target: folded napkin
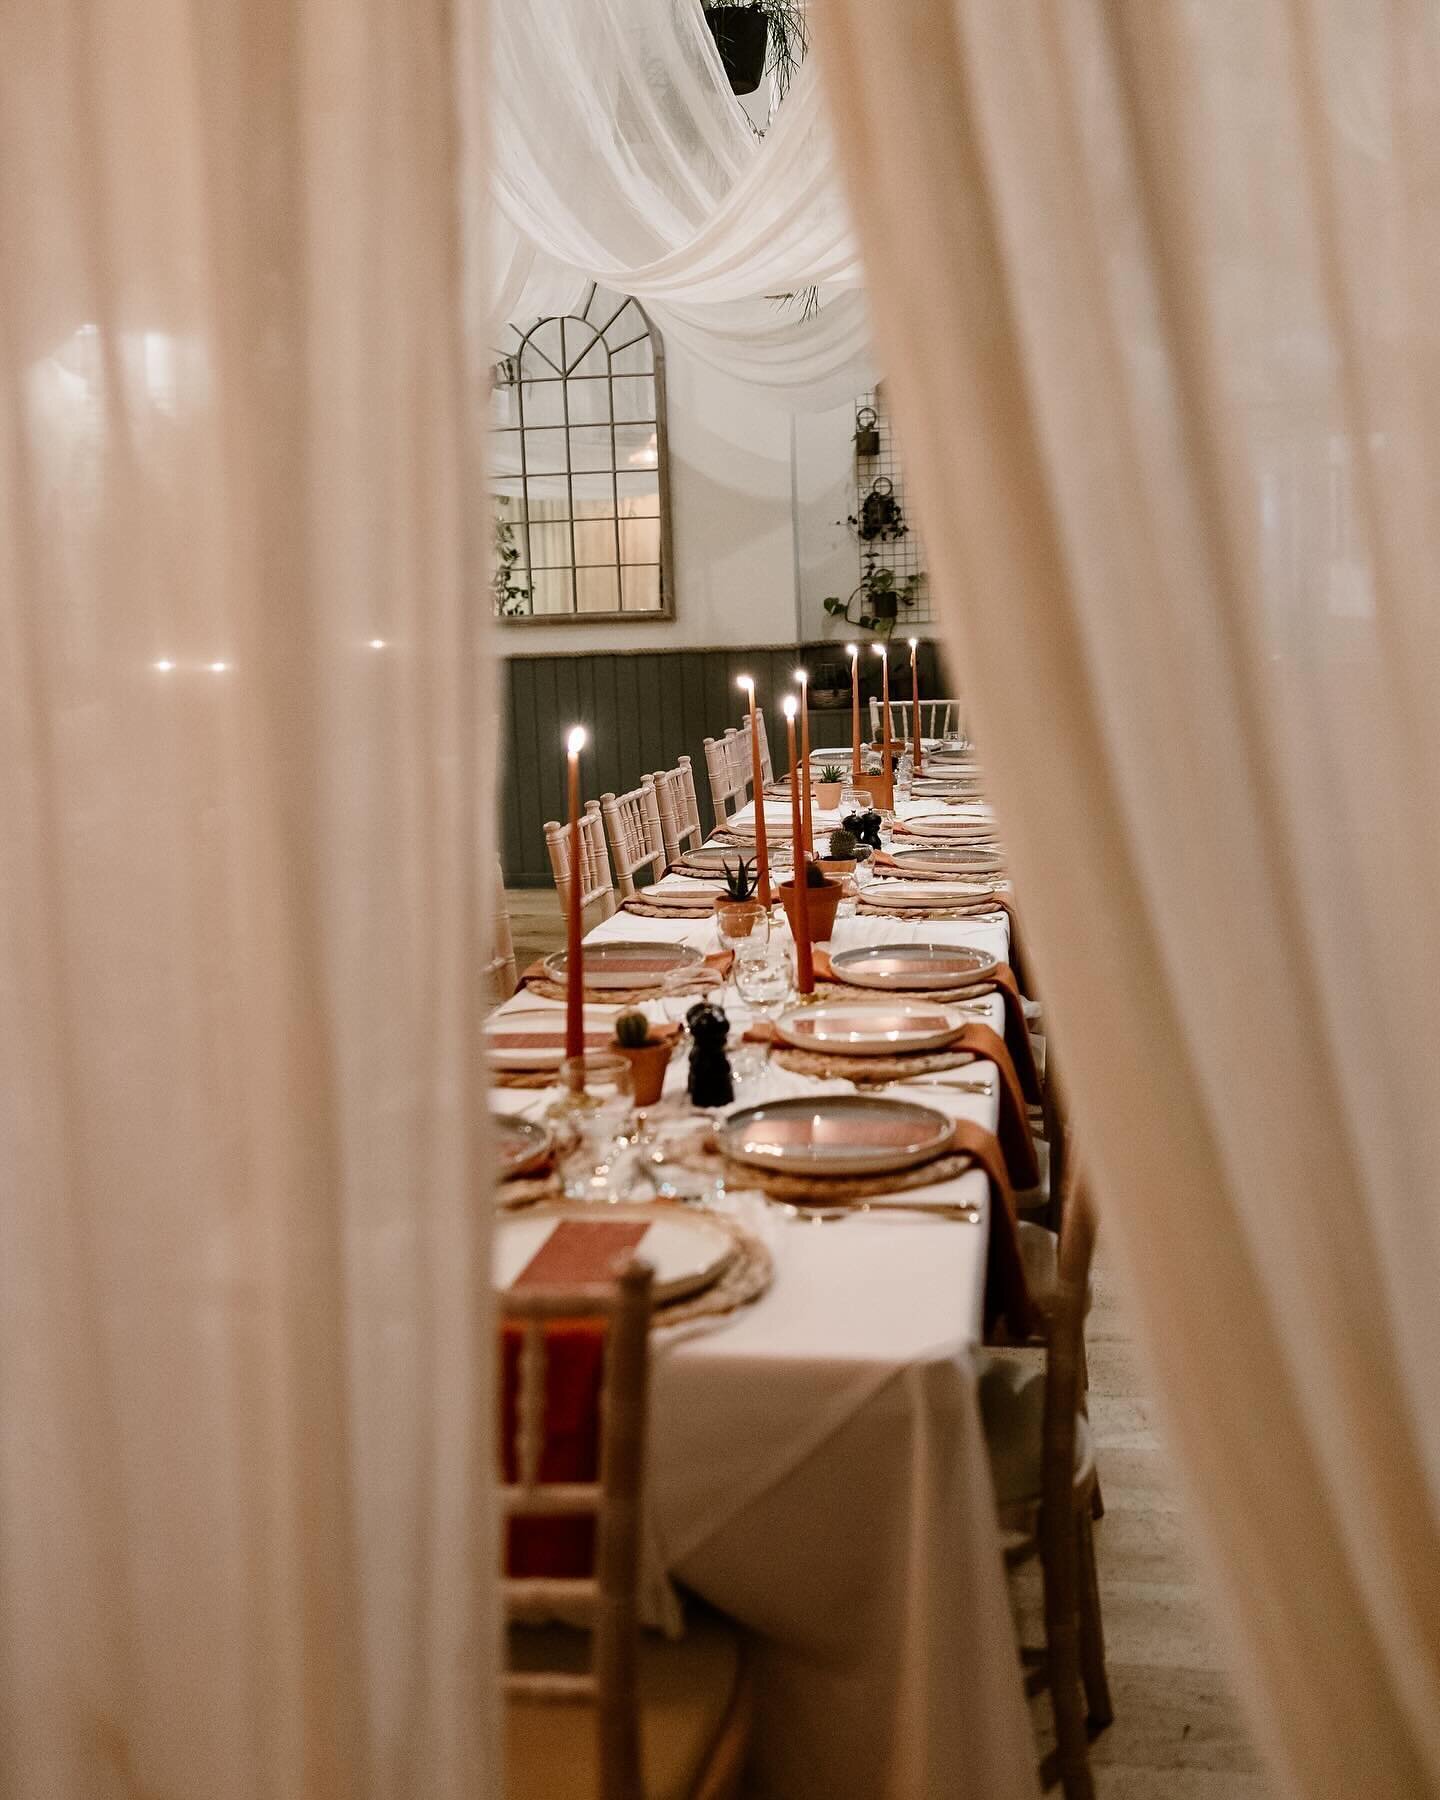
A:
x,y
577,1252
1010,1313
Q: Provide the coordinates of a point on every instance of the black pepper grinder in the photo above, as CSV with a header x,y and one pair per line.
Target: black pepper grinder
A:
x,y
710,1081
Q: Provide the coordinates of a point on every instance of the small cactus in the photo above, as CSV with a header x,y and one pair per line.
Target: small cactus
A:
x,y
739,881
843,845
815,876
632,1031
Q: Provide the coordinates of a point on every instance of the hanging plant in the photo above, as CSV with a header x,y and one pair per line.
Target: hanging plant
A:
x,y
867,432
875,603
755,35
881,518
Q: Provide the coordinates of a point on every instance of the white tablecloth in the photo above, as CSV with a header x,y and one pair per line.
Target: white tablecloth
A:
x,y
819,1473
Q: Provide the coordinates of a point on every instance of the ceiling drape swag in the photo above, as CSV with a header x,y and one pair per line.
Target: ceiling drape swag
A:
x,y
244,1346
1166,369
622,157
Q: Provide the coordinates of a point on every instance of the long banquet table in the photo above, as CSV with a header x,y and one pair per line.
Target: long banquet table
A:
x,y
819,1473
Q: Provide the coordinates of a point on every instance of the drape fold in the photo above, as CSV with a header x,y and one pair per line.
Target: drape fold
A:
x,y
1163,368
245,1535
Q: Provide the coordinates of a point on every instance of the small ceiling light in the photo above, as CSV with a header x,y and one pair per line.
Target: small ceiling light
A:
x,y
163,666
217,668
377,643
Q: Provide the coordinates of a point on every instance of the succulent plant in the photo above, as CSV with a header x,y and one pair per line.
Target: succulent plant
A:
x,y
632,1031
739,881
843,845
832,772
815,876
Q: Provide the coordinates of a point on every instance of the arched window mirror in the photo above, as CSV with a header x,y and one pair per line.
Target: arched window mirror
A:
x,y
579,468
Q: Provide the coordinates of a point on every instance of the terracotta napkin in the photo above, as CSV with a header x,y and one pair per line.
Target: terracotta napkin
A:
x,y
1010,1313
577,1251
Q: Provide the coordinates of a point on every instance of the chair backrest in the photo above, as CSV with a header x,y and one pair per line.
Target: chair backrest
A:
x,y
632,824
767,768
727,795
936,718
596,887
1065,1349
499,973
607,1600
680,827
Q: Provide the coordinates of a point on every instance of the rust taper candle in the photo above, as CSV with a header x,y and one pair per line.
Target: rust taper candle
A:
x,y
757,776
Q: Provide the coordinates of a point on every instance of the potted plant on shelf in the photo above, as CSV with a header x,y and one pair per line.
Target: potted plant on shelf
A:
x,y
738,905
823,903
648,1056
827,787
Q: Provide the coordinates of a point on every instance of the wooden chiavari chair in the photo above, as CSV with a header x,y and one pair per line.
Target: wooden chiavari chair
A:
x,y
936,717
499,976
767,773
632,824
727,793
597,889
680,826
602,1711
1046,1486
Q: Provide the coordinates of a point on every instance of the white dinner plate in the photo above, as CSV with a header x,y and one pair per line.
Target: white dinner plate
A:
x,y
950,859
533,1037
626,963
835,1134
935,892
687,1251
911,967
870,1027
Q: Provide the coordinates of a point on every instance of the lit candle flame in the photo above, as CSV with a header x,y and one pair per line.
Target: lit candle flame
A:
x,y
852,650
791,706
801,676
879,649
914,643
747,682
575,743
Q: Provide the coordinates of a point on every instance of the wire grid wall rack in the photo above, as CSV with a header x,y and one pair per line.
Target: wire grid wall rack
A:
x,y
906,555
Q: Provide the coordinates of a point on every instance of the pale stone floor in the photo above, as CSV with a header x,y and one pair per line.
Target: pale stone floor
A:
x,y
1178,1734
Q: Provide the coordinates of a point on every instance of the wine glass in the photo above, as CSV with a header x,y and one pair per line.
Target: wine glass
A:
x,y
597,1104
762,981
742,923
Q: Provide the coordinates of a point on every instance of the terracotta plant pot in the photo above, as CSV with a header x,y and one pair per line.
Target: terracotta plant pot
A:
x,y
824,902
740,916
827,795
648,1063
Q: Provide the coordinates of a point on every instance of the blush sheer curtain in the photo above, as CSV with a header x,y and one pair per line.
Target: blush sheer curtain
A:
x,y
245,1544
1166,362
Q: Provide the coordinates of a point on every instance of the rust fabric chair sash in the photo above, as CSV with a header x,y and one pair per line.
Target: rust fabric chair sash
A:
x,y
1010,1314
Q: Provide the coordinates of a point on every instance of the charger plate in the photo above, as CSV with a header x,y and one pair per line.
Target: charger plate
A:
x,y
572,1246
626,964
936,892
910,968
532,1038
519,1144
869,1027
834,1135
709,860
951,859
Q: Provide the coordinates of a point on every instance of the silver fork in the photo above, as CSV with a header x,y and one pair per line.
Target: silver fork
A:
x,y
823,1214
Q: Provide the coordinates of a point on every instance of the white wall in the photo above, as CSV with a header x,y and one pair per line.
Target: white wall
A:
x,y
755,494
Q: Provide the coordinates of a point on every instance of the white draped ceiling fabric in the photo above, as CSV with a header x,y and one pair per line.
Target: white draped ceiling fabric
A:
x,y
245,1537
1167,365
622,157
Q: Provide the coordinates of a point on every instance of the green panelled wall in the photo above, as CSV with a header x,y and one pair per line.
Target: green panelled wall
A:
x,y
644,709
